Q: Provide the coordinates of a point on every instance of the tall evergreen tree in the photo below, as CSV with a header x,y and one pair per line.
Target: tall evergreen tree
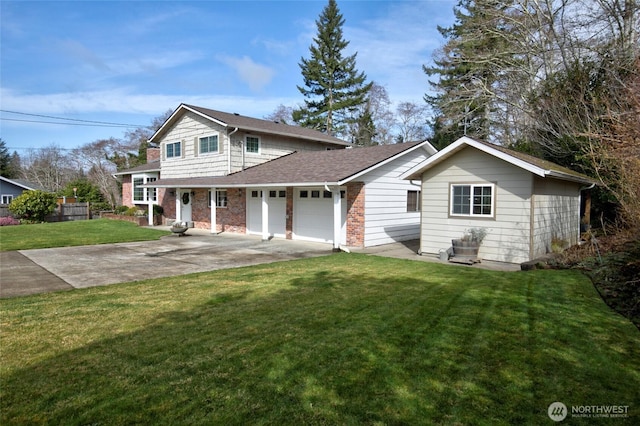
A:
x,y
333,88
471,68
9,163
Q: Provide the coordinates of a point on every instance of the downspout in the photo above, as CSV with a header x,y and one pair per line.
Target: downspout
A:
x,y
229,151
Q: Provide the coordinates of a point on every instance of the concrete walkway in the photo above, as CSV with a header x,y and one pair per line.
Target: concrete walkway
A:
x,y
409,250
27,272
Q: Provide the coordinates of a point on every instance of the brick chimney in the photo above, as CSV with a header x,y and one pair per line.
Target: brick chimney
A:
x,y
153,154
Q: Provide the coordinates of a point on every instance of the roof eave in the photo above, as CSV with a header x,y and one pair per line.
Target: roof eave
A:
x,y
244,185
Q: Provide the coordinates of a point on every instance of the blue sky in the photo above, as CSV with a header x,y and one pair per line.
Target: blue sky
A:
x,y
128,62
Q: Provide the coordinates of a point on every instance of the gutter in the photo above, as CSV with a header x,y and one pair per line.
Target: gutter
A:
x,y
229,151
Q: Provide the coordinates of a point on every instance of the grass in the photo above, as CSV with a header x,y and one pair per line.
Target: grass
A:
x,y
73,233
341,339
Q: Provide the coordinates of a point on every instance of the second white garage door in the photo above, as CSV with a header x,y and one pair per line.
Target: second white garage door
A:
x,y
313,215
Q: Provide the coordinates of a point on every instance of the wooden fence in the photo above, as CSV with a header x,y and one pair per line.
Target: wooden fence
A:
x,y
64,212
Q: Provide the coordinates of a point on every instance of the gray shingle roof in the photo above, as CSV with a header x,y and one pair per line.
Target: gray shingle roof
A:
x,y
301,168
232,120
153,166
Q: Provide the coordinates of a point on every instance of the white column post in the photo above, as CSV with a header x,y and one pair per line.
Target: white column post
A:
x,y
265,216
337,219
213,211
150,213
178,206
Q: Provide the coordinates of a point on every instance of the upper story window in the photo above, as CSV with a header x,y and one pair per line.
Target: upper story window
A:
x,y
413,201
209,144
7,199
144,194
472,200
174,150
252,144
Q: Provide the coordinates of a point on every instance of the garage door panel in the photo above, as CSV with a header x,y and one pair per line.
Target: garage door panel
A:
x,y
313,216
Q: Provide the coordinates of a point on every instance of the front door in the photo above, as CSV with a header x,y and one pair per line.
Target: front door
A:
x,y
185,206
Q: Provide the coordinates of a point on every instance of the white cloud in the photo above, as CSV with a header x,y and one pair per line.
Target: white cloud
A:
x,y
393,48
256,76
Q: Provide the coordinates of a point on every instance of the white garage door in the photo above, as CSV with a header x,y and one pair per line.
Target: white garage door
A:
x,y
313,215
277,199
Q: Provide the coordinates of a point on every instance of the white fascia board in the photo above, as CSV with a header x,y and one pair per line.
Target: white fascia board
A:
x,y
568,177
16,183
245,185
416,171
505,157
426,145
461,143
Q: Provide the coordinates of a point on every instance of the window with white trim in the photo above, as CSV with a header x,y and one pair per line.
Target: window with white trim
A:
x,y
472,200
173,150
142,195
7,199
413,201
252,144
221,198
209,144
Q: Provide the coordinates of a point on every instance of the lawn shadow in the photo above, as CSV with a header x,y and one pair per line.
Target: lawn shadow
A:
x,y
336,348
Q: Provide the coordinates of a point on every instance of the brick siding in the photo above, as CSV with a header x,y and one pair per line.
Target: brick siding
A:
x,y
234,217
355,214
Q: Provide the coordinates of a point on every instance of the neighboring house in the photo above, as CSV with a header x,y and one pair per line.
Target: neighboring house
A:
x,y
272,179
523,203
12,188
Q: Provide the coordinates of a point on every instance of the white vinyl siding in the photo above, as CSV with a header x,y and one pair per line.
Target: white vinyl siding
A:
x,y
188,129
508,230
386,217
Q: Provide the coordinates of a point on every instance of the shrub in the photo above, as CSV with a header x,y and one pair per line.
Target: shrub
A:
x,y
121,210
33,206
158,209
9,221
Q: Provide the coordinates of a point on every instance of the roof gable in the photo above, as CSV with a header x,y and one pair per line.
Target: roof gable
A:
x,y
526,162
232,121
29,186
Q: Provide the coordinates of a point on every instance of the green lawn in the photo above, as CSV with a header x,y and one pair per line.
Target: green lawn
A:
x,y
341,339
73,233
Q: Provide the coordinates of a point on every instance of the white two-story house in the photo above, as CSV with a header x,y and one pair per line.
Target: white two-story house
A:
x,y
231,173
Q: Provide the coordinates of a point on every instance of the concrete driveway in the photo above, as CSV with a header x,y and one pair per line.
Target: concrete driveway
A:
x,y
43,270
